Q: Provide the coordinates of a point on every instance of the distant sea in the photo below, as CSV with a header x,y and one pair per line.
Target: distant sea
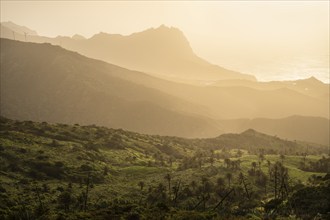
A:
x,y
288,68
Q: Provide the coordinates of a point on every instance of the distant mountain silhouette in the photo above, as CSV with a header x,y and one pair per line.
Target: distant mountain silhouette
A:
x,y
78,37
311,86
310,129
44,82
246,99
162,51
41,82
9,29
254,140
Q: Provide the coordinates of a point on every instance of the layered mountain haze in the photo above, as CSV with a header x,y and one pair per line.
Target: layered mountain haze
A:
x,y
311,86
181,94
10,29
108,113
310,129
162,51
41,82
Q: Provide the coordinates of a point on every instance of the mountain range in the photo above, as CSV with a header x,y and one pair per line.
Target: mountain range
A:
x,y
163,51
43,82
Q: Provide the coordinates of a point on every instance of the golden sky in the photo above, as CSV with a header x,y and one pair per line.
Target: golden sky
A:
x,y
239,35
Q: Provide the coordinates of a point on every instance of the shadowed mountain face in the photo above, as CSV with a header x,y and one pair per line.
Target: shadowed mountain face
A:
x,y
163,51
41,82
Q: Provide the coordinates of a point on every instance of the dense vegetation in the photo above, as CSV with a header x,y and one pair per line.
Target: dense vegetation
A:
x,y
59,171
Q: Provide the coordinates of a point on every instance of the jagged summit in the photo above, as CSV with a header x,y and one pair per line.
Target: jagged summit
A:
x,y
103,36
161,30
165,29
163,51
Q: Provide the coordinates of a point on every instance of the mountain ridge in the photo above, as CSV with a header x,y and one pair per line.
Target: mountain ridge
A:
x,y
57,84
147,51
129,94
18,28
295,127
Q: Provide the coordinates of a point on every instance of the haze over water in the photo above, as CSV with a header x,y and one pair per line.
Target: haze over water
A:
x,y
287,68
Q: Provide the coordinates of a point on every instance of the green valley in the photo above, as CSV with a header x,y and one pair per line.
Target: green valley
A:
x,y
59,171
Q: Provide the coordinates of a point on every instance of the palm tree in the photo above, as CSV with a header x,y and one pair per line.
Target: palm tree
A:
x,y
282,157
193,184
65,199
261,157
269,168
262,181
200,162
239,153
206,185
168,178
161,188
220,183
211,157
242,181
240,177
211,161
170,161
236,164
227,162
141,185
229,176
206,188
254,165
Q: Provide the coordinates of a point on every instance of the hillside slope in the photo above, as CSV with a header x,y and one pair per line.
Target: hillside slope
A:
x,y
42,82
47,83
310,87
54,171
163,50
310,129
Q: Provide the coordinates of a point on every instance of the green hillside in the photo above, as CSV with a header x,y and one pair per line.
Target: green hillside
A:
x,y
59,171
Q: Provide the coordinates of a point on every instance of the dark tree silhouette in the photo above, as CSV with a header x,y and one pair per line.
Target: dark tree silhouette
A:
x,y
141,185
168,177
229,177
227,161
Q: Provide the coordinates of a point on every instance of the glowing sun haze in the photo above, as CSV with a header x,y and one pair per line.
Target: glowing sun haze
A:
x,y
271,40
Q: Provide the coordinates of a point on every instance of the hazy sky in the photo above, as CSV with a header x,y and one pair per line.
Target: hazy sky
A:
x,y
273,39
